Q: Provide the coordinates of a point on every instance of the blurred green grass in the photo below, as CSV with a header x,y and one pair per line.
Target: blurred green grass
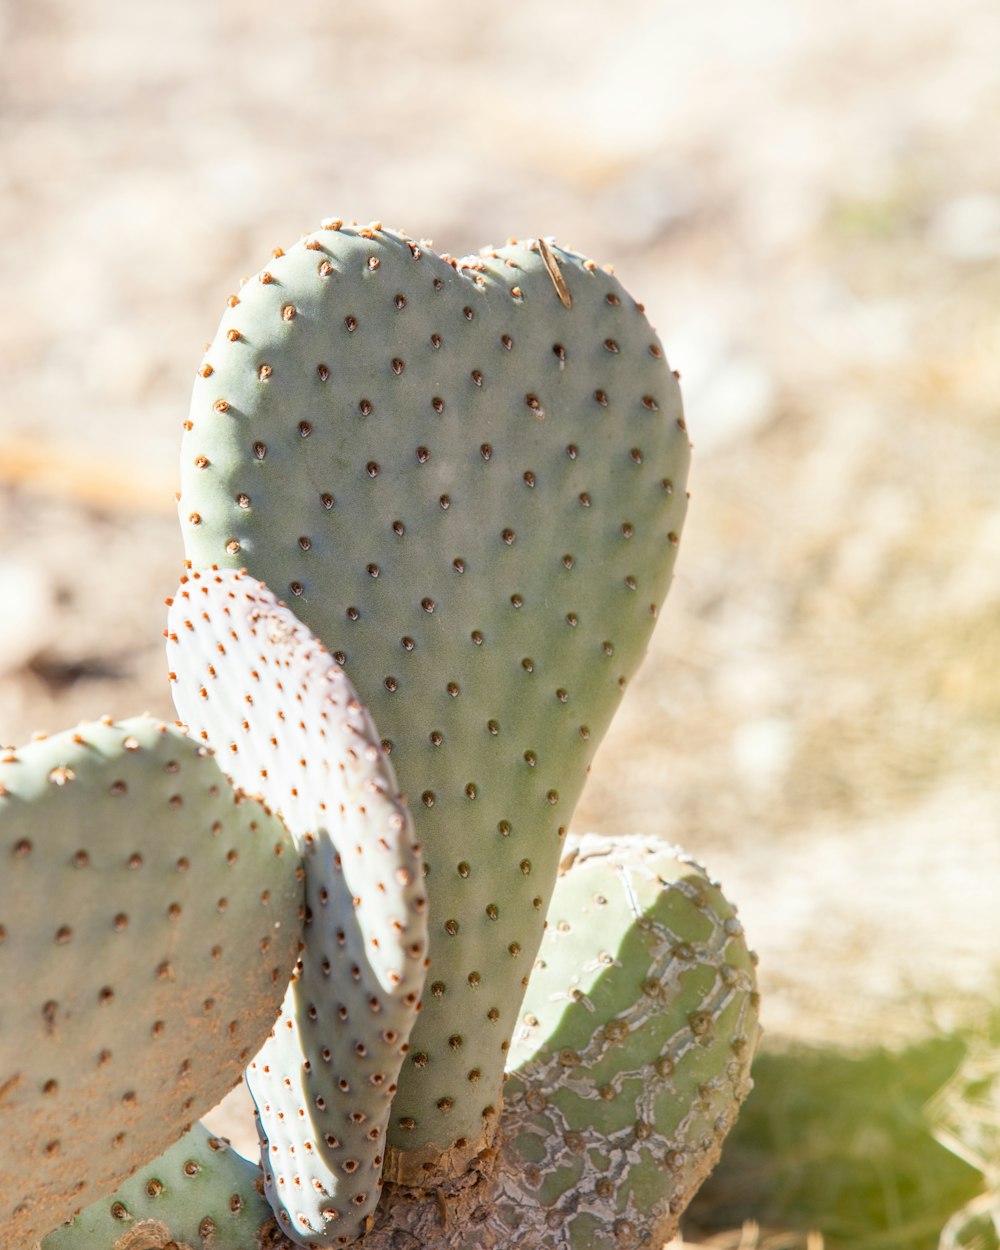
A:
x,y
876,1150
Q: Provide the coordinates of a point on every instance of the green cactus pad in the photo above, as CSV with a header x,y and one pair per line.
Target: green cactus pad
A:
x,y
628,1066
199,1194
256,685
468,478
149,919
632,1055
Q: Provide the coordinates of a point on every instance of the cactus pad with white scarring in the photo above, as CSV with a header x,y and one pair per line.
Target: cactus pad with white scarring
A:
x,y
254,683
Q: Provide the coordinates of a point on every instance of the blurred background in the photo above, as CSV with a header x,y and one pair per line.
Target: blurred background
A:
x,y
806,196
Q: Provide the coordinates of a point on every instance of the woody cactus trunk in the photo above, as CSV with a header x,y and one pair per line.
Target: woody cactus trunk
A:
x,y
460,1024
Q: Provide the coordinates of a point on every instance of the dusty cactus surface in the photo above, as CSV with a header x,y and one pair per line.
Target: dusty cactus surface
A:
x,y
325,1078
149,922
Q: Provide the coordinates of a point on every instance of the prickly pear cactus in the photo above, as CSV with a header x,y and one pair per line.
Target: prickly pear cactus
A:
x,y
469,480
149,921
287,722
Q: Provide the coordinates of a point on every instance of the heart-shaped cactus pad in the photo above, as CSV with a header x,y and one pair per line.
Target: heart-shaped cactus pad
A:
x,y
468,478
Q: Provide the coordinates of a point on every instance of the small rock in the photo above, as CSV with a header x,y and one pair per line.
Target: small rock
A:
x,y
967,228
763,749
729,391
26,613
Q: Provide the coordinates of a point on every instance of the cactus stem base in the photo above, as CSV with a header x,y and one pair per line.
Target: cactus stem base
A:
x,y
429,1167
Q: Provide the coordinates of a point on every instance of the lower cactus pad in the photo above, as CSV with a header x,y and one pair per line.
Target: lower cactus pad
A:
x,y
200,1193
149,920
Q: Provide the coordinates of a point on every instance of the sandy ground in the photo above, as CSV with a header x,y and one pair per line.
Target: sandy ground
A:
x,y
806,197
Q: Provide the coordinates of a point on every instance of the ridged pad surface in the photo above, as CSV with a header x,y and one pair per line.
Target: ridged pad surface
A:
x,y
149,920
473,494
